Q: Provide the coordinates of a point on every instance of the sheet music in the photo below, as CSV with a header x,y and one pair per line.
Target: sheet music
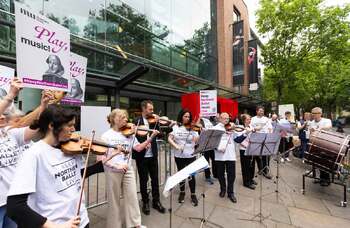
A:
x,y
208,140
184,173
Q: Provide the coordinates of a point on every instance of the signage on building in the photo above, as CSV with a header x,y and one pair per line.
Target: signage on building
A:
x,y
6,74
42,50
208,102
77,69
238,53
253,61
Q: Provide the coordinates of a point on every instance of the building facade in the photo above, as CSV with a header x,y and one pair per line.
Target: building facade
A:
x,y
144,49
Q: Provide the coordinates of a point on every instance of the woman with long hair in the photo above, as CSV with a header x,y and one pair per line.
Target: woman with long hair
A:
x,y
183,140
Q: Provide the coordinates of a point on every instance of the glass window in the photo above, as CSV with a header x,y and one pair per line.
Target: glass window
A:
x,y
83,18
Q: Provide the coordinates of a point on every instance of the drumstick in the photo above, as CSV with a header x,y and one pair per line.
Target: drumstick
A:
x,y
84,174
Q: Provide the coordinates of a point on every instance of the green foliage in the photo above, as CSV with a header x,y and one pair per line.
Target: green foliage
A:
x,y
307,55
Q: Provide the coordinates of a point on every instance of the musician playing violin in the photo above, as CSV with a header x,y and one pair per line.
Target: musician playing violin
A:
x,y
46,188
225,157
11,140
120,175
147,159
183,139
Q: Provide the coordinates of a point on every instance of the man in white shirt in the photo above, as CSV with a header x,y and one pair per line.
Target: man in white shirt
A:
x,y
320,123
225,158
262,124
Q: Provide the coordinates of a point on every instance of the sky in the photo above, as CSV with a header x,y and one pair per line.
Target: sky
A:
x,y
253,5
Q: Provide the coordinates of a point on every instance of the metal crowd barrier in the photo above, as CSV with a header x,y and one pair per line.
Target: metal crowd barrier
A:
x,y
95,186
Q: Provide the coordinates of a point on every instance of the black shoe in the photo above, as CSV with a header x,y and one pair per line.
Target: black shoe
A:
x,y
181,198
194,200
222,194
254,182
232,198
267,175
145,208
251,186
159,207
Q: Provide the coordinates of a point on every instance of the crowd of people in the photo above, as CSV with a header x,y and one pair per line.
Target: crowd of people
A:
x,y
40,185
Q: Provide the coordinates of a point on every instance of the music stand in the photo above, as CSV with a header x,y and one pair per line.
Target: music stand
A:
x,y
208,140
287,127
262,144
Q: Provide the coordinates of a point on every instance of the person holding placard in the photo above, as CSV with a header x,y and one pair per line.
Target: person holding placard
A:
x,y
183,140
225,157
11,141
120,174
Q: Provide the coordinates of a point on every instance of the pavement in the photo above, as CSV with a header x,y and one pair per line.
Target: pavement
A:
x,y
318,207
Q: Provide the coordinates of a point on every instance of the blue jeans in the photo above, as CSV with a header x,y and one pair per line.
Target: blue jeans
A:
x,y
6,222
304,147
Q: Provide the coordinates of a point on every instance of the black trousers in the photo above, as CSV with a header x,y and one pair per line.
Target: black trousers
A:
x,y
285,144
247,167
182,163
230,168
210,155
324,176
148,167
263,163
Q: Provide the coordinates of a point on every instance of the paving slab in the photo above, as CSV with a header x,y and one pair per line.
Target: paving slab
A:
x,y
308,219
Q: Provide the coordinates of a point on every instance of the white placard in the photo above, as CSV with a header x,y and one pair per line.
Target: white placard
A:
x,y
200,163
284,108
208,102
94,118
6,74
42,50
77,68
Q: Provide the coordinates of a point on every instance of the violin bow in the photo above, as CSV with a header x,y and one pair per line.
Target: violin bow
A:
x,y
84,174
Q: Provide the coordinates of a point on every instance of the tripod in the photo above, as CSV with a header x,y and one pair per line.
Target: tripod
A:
x,y
213,137
260,144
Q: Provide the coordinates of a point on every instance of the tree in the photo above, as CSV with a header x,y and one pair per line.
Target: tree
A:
x,y
307,54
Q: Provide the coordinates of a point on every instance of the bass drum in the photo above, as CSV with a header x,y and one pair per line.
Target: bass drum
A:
x,y
327,150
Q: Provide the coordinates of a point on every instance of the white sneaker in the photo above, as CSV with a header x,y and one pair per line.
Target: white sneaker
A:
x,y
288,160
142,226
282,160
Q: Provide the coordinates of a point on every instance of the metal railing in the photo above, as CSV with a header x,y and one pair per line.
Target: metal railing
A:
x,y
95,187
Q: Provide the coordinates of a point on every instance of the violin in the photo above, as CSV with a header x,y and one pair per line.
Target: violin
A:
x,y
152,118
193,127
129,129
163,120
230,127
78,145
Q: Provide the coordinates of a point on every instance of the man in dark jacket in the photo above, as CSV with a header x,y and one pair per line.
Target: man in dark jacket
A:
x,y
147,162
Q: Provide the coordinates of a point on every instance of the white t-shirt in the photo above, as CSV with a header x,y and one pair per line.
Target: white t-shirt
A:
x,y
52,179
10,152
324,123
226,150
148,153
113,137
185,138
261,122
